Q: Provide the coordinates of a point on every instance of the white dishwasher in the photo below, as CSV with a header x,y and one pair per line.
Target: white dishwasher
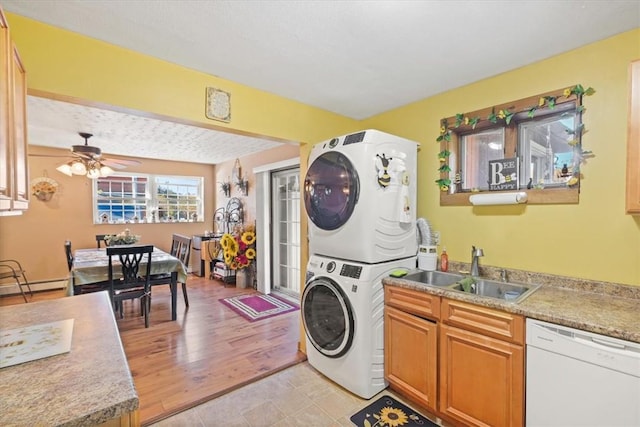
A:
x,y
578,378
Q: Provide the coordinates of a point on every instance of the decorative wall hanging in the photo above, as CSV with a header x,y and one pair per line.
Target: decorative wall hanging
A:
x,y
44,188
225,188
218,105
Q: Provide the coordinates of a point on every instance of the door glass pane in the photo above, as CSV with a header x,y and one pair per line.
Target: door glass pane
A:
x,y
285,189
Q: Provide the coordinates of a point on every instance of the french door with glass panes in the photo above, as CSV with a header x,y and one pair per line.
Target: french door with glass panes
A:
x,y
285,249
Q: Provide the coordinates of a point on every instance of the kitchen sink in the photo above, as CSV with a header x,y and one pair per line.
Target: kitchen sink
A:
x,y
434,278
512,292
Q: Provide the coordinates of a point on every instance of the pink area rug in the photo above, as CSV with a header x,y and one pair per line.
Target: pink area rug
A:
x,y
258,306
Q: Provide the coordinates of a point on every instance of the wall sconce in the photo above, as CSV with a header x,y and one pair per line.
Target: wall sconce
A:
x,y
243,186
236,172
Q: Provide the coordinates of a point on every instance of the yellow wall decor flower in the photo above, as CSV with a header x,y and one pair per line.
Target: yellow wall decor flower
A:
x,y
43,188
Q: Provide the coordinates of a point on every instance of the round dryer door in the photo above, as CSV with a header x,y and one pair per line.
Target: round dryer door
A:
x,y
330,190
328,317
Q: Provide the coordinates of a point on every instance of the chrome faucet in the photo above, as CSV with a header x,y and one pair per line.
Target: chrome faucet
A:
x,y
475,254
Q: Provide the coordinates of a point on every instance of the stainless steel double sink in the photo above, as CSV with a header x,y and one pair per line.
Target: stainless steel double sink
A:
x,y
506,291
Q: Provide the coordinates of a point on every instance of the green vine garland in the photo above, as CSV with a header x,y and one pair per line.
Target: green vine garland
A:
x,y
506,115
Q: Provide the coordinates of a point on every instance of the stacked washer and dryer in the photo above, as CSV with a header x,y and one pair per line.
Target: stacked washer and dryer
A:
x,y
360,197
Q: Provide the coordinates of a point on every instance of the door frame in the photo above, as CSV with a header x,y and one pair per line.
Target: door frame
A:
x,y
263,219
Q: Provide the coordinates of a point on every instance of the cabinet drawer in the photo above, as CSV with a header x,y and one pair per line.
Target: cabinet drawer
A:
x,y
411,301
484,320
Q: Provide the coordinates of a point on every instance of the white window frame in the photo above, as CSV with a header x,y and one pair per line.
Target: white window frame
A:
x,y
152,202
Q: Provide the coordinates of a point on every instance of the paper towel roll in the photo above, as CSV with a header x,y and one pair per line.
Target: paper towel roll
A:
x,y
498,198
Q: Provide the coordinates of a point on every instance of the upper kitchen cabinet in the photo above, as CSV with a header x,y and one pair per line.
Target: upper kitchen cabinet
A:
x,y
14,171
633,141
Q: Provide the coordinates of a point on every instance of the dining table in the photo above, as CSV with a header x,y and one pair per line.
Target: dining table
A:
x,y
91,266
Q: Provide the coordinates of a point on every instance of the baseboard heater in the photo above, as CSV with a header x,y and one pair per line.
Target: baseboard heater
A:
x,y
36,285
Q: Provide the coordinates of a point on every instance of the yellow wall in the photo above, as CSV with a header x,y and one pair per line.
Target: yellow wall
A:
x,y
594,239
66,63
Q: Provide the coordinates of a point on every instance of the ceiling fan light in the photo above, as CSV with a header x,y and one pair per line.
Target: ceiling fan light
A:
x,y
93,173
78,168
65,169
106,171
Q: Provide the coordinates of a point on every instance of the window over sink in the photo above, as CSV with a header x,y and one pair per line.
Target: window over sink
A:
x,y
541,136
124,198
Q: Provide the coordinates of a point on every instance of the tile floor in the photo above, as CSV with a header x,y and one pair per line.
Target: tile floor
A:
x,y
297,396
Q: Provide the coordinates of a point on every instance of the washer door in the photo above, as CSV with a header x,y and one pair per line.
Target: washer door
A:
x,y
331,190
328,317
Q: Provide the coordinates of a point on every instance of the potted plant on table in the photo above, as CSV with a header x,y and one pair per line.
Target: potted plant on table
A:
x,y
239,249
123,238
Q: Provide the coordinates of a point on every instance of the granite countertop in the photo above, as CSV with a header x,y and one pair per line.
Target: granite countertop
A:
x,y
603,308
87,386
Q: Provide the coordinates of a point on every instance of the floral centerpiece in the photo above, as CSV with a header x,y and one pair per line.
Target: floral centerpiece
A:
x,y
239,248
123,238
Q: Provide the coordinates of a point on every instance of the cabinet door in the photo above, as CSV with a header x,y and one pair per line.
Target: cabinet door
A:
x,y
6,165
481,379
410,356
633,141
19,122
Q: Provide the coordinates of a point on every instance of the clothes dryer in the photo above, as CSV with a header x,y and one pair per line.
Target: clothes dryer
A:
x,y
343,315
360,197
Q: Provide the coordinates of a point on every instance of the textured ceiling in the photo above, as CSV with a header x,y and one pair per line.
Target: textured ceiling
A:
x,y
56,124
355,58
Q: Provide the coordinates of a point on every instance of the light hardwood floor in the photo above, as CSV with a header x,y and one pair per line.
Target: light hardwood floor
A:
x,y
207,352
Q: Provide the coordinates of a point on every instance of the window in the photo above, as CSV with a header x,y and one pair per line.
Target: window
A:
x,y
544,138
128,198
546,156
476,151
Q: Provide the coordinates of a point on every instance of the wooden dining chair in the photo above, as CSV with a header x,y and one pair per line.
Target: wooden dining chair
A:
x,y
69,254
100,239
12,269
134,284
83,289
181,249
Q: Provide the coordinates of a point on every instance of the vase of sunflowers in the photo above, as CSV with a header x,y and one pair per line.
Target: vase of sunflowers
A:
x,y
239,250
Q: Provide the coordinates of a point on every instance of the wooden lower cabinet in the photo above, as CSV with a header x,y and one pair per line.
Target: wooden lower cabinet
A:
x,y
481,379
411,354
461,361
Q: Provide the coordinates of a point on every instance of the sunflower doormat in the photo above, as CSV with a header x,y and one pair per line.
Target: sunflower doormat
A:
x,y
388,412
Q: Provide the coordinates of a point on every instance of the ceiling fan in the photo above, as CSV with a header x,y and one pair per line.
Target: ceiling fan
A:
x,y
87,160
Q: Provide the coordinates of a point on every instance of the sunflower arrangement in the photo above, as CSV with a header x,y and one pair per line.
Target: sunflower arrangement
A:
x,y
239,248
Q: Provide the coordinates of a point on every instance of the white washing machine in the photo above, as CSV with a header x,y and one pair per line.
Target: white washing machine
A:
x,y
343,314
360,197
